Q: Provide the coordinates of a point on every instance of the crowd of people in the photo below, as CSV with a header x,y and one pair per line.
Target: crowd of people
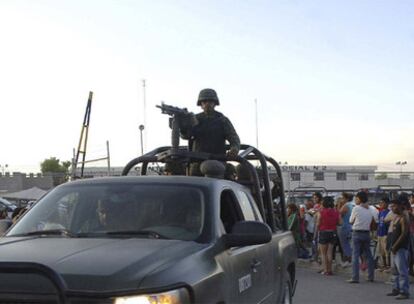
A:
x,y
367,236
6,220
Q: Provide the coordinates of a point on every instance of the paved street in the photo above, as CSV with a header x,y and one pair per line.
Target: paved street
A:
x,y
315,288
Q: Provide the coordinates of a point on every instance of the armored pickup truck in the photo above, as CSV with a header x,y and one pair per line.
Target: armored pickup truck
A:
x,y
155,239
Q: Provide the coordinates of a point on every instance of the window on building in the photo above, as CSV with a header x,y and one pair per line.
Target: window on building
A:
x,y
295,176
363,177
318,176
341,176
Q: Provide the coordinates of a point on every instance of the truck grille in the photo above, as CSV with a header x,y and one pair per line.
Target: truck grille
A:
x,y
28,301
27,288
29,283
37,300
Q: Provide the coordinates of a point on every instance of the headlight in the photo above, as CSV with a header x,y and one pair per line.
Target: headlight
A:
x,y
178,296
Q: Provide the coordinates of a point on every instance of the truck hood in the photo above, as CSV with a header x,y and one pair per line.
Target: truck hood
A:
x,y
98,264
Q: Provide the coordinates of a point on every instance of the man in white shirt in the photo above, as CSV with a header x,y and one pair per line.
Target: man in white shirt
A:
x,y
374,212
361,218
309,220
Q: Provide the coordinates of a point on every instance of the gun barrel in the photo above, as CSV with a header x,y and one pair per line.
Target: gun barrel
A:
x,y
171,110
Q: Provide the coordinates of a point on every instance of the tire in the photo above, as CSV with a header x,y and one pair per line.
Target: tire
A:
x,y
287,290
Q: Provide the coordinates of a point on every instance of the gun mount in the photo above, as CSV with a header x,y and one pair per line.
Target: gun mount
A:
x,y
180,117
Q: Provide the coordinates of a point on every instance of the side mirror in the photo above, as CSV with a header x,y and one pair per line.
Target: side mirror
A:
x,y
247,233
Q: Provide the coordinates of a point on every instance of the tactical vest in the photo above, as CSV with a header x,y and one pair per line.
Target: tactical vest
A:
x,y
209,135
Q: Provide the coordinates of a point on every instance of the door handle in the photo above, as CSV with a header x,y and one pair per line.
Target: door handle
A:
x,y
255,263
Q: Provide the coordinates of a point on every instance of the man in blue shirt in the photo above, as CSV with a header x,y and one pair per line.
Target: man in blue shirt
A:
x,y
382,232
345,231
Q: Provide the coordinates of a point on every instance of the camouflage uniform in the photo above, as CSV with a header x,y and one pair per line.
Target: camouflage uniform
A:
x,y
211,133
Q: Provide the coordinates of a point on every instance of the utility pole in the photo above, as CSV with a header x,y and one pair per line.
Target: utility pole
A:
x,y
141,128
108,157
73,164
143,142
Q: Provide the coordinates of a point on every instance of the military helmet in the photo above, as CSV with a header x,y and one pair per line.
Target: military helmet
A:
x,y
207,94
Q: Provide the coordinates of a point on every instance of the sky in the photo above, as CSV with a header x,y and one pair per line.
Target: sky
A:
x,y
333,80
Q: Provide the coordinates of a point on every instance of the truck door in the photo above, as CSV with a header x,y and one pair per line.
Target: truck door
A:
x,y
267,265
248,263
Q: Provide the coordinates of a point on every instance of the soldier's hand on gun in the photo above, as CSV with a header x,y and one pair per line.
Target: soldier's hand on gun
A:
x,y
187,120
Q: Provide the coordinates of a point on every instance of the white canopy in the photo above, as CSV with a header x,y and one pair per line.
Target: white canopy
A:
x,y
28,194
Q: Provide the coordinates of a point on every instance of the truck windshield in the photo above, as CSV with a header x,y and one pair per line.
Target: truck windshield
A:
x,y
116,210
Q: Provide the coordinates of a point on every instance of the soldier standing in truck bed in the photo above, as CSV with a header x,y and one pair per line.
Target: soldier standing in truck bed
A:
x,y
212,130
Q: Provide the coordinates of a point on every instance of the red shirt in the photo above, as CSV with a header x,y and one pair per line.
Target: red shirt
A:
x,y
329,219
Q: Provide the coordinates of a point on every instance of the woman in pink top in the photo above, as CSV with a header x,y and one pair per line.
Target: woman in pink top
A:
x,y
328,219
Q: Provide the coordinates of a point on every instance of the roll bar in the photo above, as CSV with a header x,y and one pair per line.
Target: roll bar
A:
x,y
181,154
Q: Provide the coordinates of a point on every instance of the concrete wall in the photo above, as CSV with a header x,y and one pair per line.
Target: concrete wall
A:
x,y
20,181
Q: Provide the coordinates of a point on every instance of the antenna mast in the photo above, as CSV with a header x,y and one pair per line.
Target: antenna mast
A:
x,y
257,127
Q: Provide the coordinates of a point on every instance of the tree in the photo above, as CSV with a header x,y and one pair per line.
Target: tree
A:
x,y
59,170
53,165
66,165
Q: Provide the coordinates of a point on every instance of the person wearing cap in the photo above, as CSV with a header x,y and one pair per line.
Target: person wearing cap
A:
x,y
211,131
400,242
